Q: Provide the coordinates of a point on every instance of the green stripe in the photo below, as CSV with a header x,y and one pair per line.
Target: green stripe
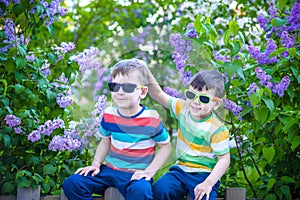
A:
x,y
194,137
197,160
219,130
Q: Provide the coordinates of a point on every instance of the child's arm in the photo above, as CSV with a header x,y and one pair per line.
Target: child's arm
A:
x,y
216,174
155,90
158,161
101,152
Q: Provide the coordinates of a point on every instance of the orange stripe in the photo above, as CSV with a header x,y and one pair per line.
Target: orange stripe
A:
x,y
193,146
193,165
220,136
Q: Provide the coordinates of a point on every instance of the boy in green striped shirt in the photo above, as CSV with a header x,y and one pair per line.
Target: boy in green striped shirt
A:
x,y
202,149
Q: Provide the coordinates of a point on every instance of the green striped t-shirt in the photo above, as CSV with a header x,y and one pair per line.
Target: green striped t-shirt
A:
x,y
199,141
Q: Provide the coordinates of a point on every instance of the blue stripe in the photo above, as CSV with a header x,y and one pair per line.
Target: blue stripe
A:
x,y
145,159
162,137
130,129
121,164
125,137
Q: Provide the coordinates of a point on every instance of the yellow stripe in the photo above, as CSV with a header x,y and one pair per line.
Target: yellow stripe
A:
x,y
200,148
193,165
179,105
220,136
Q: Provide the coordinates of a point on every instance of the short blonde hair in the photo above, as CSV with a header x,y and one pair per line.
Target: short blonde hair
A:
x,y
126,66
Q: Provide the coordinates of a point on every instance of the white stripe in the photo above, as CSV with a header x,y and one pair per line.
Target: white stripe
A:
x,y
149,113
189,169
185,148
138,145
220,146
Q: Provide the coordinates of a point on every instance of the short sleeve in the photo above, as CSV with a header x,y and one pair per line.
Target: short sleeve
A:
x,y
103,131
175,106
220,141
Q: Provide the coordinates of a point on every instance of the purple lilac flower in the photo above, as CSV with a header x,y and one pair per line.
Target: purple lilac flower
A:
x,y
220,57
181,56
51,11
12,120
294,18
281,87
285,54
18,130
286,41
46,68
263,21
88,59
272,11
265,80
235,109
252,89
34,136
63,101
45,129
91,127
263,58
191,31
30,56
173,92
69,142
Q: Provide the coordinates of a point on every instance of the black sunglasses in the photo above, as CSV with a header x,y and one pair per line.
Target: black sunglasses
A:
x,y
126,87
202,98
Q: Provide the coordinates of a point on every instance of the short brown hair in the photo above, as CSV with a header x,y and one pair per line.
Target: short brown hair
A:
x,y
209,80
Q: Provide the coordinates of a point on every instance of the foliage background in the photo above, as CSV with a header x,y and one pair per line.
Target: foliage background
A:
x,y
267,160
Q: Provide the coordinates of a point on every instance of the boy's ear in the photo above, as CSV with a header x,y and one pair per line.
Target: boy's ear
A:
x,y
144,92
218,103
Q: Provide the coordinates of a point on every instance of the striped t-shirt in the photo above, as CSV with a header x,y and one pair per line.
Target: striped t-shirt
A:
x,y
133,139
199,141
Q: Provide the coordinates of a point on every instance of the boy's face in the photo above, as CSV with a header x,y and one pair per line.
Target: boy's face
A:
x,y
201,110
128,102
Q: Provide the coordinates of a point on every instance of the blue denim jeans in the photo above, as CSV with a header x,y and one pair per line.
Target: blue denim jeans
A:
x,y
176,183
79,187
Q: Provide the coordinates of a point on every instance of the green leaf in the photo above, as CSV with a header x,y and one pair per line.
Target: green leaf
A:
x,y
6,139
255,98
295,142
5,86
20,62
292,52
282,3
22,50
269,153
269,103
231,68
270,184
261,114
226,37
287,179
286,191
49,169
7,187
9,65
233,27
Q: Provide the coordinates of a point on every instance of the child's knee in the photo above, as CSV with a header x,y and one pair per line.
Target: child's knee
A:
x,y
71,182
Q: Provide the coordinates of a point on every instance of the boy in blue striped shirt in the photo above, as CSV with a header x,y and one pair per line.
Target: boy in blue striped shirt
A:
x,y
129,135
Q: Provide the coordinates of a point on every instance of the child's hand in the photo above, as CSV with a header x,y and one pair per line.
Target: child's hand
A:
x,y
85,170
201,190
141,174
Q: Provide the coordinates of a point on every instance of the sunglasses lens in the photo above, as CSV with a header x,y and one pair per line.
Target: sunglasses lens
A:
x,y
114,87
190,95
204,99
129,88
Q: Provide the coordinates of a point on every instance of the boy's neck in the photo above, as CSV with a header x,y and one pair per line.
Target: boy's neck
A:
x,y
129,112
